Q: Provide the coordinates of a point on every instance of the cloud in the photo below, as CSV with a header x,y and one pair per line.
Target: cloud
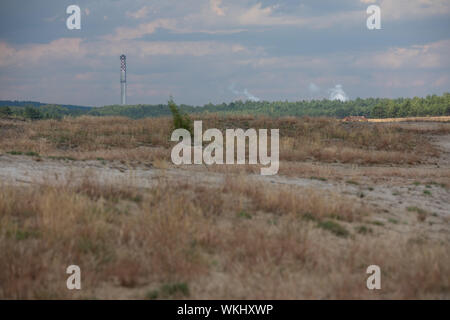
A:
x,y
270,16
60,49
165,48
139,14
127,33
413,9
53,18
84,76
215,7
258,15
432,55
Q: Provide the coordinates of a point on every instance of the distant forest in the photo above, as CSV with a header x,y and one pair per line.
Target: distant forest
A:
x,y
432,105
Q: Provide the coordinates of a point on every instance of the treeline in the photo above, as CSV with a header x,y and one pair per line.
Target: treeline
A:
x,y
432,105
41,112
16,103
371,108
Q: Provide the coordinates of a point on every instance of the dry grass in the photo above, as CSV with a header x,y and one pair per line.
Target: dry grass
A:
x,y
298,202
179,240
374,173
147,140
230,236
111,138
413,119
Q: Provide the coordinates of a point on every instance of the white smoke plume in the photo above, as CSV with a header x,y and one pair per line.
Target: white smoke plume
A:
x,y
247,94
337,93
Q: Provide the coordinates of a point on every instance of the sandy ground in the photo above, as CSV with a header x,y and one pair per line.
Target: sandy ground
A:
x,y
389,198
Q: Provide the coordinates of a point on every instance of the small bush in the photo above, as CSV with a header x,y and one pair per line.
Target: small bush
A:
x,y
180,121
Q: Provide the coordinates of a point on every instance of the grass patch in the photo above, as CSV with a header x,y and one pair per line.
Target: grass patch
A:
x,y
394,221
61,158
427,192
15,153
309,217
28,153
20,235
352,182
335,228
318,178
244,215
415,209
433,183
175,289
421,214
364,230
32,154
152,295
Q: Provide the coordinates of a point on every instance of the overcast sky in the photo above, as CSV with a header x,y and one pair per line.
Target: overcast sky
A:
x,y
217,51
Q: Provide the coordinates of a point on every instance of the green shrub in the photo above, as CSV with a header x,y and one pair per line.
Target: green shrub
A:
x,y
180,121
334,228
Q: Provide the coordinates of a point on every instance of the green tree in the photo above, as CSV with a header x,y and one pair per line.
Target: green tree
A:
x,y
180,121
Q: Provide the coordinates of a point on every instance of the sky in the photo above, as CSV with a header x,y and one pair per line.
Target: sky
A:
x,y
202,51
